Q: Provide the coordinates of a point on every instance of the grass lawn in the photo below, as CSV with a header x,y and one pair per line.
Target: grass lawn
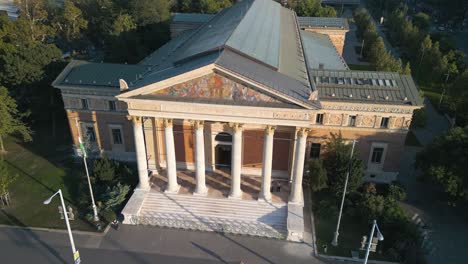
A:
x,y
43,167
358,67
350,235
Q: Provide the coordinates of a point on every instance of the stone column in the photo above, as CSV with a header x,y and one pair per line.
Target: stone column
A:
x,y
267,163
199,158
236,161
296,188
140,151
172,186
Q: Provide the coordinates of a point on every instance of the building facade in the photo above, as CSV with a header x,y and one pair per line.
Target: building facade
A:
x,y
234,108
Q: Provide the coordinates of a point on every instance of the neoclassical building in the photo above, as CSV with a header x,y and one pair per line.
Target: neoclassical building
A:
x,y
222,119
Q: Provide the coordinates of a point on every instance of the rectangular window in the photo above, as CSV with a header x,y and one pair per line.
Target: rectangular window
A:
x,y
377,154
84,104
112,106
315,151
384,122
352,121
90,134
117,136
319,119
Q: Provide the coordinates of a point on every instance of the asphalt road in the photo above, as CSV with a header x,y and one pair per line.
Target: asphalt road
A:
x,y
138,244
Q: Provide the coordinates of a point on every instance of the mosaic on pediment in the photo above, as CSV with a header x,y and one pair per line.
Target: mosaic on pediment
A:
x,y
335,119
215,86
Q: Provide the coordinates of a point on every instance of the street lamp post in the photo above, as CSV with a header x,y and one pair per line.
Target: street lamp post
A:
x,y
95,214
335,237
379,237
65,214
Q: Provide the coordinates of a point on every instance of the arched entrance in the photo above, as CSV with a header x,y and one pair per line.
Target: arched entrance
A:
x,y
223,151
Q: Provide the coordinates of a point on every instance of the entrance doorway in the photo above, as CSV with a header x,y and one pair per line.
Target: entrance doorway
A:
x,y
223,157
223,151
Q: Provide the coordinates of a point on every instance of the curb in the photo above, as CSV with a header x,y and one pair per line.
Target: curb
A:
x,y
62,231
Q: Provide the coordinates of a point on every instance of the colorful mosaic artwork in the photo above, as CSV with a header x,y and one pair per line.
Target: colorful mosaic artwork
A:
x,y
216,87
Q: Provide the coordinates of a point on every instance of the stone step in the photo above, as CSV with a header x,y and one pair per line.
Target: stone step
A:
x,y
189,197
207,218
213,210
214,206
277,220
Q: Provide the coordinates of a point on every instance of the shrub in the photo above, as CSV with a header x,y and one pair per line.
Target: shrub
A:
x,y
396,192
104,169
419,118
108,216
317,175
113,197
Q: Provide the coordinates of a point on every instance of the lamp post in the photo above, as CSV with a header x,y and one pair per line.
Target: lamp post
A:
x,y
95,214
335,237
379,237
72,242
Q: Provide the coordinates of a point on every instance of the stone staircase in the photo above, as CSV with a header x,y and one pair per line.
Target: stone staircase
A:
x,y
245,217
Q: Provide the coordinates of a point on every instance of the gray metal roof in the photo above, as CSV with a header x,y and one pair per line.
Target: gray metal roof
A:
x,y
258,34
320,51
269,78
323,22
366,87
83,73
191,18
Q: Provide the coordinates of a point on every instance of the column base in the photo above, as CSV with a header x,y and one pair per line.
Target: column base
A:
x,y
173,190
143,188
201,193
237,196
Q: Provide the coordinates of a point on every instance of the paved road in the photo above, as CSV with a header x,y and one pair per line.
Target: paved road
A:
x,y
138,244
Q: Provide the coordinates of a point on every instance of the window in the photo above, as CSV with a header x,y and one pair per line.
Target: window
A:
x,y
384,122
377,154
116,136
84,104
90,134
352,121
112,106
319,119
315,151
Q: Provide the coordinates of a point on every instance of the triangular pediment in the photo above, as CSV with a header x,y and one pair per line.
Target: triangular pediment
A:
x,y
219,88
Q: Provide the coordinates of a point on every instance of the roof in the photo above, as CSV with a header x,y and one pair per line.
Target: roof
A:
x,y
191,18
83,73
320,52
365,87
323,22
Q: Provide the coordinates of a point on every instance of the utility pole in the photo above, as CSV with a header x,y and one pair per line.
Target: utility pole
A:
x,y
335,237
371,236
83,150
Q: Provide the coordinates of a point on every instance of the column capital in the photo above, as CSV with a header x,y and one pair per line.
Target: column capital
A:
x,y
236,127
167,122
302,131
197,124
137,120
269,130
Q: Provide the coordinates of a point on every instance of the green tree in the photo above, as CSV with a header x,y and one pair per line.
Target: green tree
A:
x,y
113,197
317,175
10,121
337,162
422,20
458,92
150,11
71,23
313,8
33,20
6,179
214,6
104,170
444,162
123,23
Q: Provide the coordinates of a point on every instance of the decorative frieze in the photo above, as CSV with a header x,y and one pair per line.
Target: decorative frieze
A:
x,y
367,109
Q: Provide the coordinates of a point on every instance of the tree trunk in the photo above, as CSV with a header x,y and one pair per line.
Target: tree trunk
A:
x,y
2,148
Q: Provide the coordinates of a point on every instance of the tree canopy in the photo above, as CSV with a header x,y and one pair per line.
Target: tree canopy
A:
x,y
312,8
11,119
444,162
